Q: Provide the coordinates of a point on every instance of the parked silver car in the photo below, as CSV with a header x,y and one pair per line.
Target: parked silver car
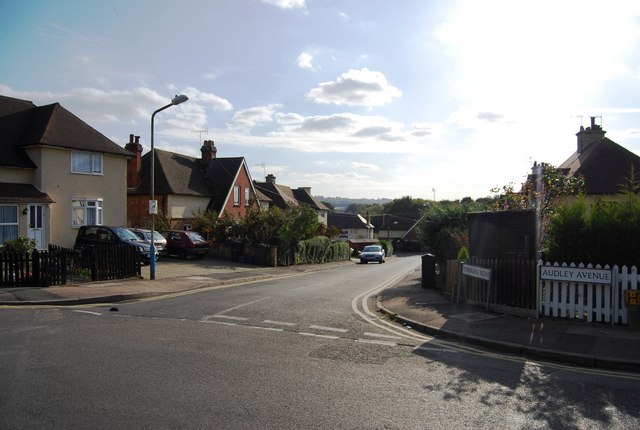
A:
x,y
158,240
372,253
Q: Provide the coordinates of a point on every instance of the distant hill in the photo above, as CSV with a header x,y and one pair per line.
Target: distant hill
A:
x,y
341,203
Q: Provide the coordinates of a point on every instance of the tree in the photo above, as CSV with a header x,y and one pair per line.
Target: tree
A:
x,y
405,204
543,191
329,205
553,185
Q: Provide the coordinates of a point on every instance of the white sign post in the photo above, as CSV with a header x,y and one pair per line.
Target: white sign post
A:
x,y
477,272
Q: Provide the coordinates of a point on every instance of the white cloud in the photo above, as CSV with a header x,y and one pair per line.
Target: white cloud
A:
x,y
305,61
364,166
211,100
362,87
287,4
254,116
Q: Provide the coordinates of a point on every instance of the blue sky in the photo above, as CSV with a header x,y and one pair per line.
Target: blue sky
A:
x,y
354,98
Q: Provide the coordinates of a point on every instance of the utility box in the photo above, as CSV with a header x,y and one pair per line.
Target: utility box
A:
x,y
632,301
428,271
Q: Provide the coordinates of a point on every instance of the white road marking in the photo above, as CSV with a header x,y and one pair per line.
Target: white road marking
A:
x,y
290,324
319,327
228,317
264,328
386,336
324,336
221,313
308,286
86,312
242,305
218,322
377,342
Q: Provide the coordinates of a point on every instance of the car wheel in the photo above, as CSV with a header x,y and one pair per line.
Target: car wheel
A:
x,y
363,262
182,253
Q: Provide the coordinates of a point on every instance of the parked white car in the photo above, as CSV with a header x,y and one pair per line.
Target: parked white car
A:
x,y
372,253
158,240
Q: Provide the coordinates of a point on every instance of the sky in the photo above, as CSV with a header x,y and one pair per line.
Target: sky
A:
x,y
353,98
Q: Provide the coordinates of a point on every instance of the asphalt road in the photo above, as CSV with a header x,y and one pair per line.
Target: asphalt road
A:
x,y
301,352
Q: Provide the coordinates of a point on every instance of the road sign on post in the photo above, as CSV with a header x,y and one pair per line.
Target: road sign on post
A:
x,y
153,207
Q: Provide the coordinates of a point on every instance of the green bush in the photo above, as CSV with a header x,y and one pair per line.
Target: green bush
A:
x,y
606,233
320,250
463,254
388,247
21,245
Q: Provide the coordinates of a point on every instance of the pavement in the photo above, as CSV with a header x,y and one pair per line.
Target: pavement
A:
x,y
426,310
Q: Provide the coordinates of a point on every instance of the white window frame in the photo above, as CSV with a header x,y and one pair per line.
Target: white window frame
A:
x,y
15,224
81,211
87,163
236,195
247,196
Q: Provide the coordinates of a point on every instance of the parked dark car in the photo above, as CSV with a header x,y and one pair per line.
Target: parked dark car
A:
x,y
92,235
185,243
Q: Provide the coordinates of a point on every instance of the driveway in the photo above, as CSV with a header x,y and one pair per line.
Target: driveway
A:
x,y
172,267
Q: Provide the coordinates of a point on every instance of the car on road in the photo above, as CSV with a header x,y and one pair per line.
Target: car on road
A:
x,y
94,235
372,253
185,243
159,241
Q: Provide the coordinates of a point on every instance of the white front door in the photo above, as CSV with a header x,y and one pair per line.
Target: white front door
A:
x,y
36,225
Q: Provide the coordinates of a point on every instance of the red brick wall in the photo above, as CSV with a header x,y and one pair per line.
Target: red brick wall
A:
x,y
244,182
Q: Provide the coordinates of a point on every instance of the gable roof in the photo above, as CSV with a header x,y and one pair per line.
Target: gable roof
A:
x,y
396,222
24,125
280,195
604,165
284,197
189,176
303,195
345,220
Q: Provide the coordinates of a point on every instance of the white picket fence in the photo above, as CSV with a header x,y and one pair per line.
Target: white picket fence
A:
x,y
587,301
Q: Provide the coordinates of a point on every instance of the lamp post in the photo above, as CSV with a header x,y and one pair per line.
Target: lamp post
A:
x,y
153,205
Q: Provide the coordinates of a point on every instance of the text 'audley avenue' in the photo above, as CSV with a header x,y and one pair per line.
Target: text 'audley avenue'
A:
x,y
573,274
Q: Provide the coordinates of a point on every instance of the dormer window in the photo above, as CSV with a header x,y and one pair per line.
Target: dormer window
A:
x,y
86,162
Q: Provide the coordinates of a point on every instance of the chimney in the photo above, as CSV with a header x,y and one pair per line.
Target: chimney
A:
x,y
590,135
134,165
208,150
270,179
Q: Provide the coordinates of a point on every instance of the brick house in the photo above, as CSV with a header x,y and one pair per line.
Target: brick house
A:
x,y
185,185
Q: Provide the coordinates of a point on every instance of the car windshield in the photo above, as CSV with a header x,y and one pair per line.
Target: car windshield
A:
x,y
126,235
157,236
195,236
371,249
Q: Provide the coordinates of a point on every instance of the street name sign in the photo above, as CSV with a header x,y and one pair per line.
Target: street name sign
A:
x,y
476,272
575,274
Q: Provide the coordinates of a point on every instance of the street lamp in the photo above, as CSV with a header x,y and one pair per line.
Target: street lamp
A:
x,y
153,205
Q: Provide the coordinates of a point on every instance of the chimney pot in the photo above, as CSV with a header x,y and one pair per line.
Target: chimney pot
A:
x,y
208,150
